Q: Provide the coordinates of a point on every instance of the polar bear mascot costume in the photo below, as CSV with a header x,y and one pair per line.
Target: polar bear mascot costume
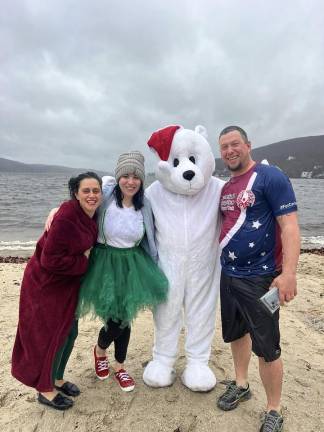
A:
x,y
185,200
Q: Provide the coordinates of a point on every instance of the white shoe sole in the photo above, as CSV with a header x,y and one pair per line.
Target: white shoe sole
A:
x,y
127,389
102,378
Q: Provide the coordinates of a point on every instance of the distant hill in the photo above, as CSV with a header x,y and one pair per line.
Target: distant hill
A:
x,y
7,165
297,157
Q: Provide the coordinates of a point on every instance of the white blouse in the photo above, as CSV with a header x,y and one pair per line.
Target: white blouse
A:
x,y
123,227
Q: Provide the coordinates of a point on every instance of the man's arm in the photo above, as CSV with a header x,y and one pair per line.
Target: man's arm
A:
x,y
290,238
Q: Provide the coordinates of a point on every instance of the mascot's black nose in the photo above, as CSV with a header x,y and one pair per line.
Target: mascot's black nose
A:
x,y
188,175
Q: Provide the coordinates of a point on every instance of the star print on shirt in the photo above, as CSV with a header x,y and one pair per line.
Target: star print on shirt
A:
x,y
256,224
232,255
250,232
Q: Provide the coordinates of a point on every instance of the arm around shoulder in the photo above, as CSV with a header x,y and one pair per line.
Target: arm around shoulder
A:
x,y
59,255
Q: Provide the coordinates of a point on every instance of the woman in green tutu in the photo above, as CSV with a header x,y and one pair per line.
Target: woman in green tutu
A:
x,y
122,276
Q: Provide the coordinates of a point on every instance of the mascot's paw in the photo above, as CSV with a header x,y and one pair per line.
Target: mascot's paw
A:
x,y
198,377
156,374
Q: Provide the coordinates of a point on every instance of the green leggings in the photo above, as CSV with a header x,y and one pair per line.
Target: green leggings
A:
x,y
63,355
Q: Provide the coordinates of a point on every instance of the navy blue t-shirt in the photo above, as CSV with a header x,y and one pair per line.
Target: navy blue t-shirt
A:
x,y
250,235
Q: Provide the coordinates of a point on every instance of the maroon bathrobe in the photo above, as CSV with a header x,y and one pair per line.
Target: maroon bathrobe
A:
x,y
49,295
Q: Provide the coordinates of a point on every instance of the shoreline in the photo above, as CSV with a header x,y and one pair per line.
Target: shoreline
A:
x,y
23,259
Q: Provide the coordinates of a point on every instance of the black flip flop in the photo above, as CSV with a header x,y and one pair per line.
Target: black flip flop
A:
x,y
59,402
69,389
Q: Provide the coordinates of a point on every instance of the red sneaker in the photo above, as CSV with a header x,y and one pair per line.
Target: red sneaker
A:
x,y
101,366
126,382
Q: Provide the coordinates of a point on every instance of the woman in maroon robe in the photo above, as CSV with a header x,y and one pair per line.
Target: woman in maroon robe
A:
x,y
49,293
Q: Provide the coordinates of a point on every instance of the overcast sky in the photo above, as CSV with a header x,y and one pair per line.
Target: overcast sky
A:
x,y
82,81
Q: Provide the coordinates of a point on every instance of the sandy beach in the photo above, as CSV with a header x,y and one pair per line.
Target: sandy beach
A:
x,y
102,406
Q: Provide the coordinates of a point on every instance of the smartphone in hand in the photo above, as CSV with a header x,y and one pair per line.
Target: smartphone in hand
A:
x,y
271,300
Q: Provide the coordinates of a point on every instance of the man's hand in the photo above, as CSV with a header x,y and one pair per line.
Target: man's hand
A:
x,y
287,285
50,218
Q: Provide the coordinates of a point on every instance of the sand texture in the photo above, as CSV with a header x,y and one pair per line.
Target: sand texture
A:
x,y
102,406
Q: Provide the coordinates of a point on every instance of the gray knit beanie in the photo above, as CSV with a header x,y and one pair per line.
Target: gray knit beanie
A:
x,y
130,163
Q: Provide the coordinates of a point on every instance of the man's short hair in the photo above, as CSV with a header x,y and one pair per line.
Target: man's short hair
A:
x,y
235,128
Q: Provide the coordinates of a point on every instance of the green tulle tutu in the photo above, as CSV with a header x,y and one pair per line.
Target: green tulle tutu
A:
x,y
119,283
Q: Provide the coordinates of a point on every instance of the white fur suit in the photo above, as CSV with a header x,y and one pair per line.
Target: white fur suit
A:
x,y
185,204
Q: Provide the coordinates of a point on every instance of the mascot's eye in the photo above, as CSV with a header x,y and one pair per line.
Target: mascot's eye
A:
x,y
175,162
192,159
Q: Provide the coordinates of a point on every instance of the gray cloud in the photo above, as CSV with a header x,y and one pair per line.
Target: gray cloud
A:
x,y
82,81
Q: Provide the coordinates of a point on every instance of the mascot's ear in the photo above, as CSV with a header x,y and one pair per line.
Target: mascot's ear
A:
x,y
202,131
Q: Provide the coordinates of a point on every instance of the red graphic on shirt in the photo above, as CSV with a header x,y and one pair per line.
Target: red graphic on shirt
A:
x,y
245,199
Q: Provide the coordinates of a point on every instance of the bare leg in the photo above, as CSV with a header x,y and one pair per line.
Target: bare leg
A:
x,y
271,375
241,352
118,366
49,395
100,352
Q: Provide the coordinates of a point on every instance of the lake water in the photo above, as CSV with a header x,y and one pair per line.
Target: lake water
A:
x,y
25,200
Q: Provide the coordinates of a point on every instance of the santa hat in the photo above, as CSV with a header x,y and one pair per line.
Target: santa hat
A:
x,y
161,141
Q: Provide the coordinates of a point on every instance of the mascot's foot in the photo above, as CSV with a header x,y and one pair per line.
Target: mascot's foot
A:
x,y
198,377
156,374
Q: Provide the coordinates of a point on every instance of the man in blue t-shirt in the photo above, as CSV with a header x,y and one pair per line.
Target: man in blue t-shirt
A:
x,y
260,248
